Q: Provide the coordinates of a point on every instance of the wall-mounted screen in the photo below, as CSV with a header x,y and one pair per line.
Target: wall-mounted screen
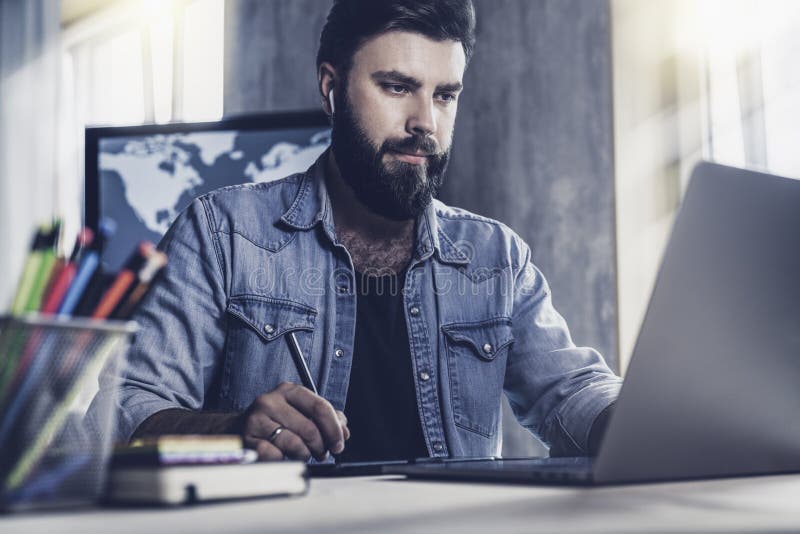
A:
x,y
144,176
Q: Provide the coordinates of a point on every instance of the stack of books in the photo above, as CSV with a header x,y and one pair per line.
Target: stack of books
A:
x,y
188,449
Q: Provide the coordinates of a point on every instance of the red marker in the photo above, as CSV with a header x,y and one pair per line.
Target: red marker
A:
x,y
123,282
63,279
155,263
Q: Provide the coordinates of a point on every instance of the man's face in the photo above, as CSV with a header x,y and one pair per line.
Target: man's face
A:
x,y
393,126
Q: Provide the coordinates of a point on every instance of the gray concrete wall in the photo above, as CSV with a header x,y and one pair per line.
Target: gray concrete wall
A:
x,y
270,54
533,144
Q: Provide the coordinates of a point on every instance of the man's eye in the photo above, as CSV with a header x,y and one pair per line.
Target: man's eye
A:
x,y
446,97
396,89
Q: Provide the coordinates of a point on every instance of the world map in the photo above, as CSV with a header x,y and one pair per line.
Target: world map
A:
x,y
146,181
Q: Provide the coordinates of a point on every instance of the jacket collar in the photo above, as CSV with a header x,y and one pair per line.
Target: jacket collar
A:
x,y
312,205
432,238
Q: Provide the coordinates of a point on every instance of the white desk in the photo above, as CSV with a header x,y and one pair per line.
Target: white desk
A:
x,y
390,504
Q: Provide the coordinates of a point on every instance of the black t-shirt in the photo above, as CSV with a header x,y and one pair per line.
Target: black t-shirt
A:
x,y
381,404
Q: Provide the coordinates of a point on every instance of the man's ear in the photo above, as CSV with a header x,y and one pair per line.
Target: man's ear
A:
x,y
326,76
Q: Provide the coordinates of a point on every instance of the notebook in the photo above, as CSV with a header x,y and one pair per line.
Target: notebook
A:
x,y
188,484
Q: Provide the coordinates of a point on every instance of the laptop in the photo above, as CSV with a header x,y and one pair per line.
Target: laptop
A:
x,y
713,387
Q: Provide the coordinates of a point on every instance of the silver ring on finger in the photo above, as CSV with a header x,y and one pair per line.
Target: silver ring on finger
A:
x,y
275,433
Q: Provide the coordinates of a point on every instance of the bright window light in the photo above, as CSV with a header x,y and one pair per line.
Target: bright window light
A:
x,y
753,79
202,60
117,81
132,62
161,46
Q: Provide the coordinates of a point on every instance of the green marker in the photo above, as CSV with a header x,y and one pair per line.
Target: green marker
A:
x,y
29,273
45,270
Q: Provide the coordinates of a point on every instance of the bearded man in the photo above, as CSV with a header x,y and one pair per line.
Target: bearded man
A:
x,y
413,317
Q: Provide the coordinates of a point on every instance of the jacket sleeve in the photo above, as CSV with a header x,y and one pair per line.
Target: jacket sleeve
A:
x,y
555,389
177,352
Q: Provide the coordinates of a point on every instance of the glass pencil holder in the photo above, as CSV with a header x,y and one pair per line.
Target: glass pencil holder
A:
x,y
58,402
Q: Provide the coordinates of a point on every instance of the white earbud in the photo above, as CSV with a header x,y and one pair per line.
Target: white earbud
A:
x,y
330,101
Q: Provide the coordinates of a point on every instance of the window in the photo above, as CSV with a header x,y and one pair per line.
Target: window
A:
x,y
752,77
134,62
693,79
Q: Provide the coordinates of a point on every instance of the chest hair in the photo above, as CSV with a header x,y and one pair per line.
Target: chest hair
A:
x,y
374,255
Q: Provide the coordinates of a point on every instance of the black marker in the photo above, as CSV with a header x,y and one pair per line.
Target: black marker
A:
x,y
300,363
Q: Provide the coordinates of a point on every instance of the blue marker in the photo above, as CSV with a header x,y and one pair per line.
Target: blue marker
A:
x,y
87,267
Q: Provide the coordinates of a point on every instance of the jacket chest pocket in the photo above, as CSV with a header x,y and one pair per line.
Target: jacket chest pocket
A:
x,y
257,353
476,361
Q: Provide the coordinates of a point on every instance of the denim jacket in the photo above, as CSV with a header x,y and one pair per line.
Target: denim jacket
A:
x,y
249,264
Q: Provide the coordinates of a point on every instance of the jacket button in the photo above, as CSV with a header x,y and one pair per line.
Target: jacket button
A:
x,y
414,310
269,329
338,353
437,447
487,348
424,376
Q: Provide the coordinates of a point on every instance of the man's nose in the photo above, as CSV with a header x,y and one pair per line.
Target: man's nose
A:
x,y
422,120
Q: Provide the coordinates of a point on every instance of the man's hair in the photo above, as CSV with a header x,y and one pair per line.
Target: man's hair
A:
x,y
352,22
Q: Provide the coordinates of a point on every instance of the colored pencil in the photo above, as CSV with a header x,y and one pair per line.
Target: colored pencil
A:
x,y
124,281
156,262
45,269
63,279
87,268
29,272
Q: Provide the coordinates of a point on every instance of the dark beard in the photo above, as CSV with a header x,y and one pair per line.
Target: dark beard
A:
x,y
399,190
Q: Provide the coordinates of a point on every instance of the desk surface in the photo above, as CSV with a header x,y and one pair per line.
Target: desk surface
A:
x,y
388,504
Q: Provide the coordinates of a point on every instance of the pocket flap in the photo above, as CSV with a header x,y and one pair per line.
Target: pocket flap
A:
x,y
271,318
486,338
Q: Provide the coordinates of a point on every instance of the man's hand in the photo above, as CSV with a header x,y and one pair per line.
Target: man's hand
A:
x,y
309,425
